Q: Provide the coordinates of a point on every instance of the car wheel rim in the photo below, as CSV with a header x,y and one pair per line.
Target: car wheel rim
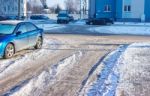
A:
x,y
10,51
39,43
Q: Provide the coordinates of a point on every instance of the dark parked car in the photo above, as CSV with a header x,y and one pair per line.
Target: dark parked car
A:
x,y
3,18
63,18
99,21
15,17
39,17
18,35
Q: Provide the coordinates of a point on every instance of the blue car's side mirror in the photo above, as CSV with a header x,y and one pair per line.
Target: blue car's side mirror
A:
x,y
18,32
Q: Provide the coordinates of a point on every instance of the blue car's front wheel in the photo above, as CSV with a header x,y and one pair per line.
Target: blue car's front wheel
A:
x,y
39,43
9,51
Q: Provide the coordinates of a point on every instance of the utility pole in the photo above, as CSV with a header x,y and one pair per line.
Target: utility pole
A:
x,y
19,9
80,9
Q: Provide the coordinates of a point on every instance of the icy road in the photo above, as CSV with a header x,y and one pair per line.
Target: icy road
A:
x,y
65,66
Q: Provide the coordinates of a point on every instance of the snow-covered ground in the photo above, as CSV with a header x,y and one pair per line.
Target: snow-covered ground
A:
x,y
47,27
134,71
108,77
78,22
126,72
128,30
9,66
132,23
37,85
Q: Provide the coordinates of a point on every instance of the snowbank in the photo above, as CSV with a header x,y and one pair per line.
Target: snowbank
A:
x,y
131,30
37,85
134,71
11,65
126,73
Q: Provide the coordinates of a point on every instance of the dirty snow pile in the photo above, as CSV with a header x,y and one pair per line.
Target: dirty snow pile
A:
x,y
37,85
128,30
134,71
12,65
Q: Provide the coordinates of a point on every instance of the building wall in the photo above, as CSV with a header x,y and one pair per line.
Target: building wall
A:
x,y
10,7
119,9
100,6
126,14
92,8
147,10
139,9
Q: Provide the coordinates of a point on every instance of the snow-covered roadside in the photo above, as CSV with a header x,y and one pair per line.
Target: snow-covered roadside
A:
x,y
47,27
78,22
37,85
108,77
8,66
128,30
126,72
132,23
134,71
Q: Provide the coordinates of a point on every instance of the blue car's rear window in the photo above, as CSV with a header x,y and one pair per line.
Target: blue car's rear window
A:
x,y
6,28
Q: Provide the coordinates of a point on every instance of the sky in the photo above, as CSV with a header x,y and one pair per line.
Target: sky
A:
x,y
55,2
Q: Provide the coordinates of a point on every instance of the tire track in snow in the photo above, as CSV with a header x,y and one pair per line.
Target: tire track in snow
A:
x,y
107,80
90,73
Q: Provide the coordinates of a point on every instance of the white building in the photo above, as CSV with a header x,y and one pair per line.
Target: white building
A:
x,y
10,7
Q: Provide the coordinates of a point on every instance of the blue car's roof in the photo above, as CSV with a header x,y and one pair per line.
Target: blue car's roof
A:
x,y
12,22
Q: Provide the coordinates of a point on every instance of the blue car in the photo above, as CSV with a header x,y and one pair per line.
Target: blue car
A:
x,y
18,35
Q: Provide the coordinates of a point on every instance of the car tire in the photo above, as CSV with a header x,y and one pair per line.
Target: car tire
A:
x,y
9,51
39,43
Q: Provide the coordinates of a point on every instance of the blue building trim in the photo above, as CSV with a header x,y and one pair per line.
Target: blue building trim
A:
x,y
100,9
117,10
147,10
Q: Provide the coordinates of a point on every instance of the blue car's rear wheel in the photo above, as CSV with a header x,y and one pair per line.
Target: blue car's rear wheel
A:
x,y
39,43
9,51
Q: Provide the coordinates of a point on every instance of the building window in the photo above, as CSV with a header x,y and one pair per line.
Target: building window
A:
x,y
107,8
5,9
127,8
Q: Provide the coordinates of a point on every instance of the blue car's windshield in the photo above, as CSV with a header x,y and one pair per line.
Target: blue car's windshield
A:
x,y
6,29
62,15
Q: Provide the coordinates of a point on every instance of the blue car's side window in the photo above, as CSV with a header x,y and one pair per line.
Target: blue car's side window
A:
x,y
22,28
30,27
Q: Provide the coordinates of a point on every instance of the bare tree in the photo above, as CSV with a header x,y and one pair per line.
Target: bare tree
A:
x,y
34,6
72,6
52,9
29,6
58,8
